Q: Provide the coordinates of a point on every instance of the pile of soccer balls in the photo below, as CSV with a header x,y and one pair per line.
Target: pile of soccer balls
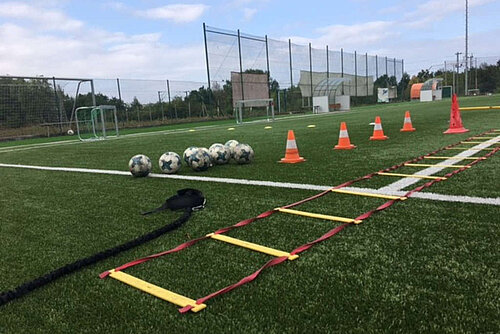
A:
x,y
198,158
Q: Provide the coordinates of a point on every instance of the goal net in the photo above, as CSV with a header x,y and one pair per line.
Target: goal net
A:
x,y
96,123
254,110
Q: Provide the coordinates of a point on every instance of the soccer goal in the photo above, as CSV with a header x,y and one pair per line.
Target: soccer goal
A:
x,y
254,110
96,123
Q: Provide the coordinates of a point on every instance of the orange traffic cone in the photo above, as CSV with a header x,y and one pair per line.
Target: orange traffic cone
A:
x,y
292,152
378,133
407,126
344,142
456,125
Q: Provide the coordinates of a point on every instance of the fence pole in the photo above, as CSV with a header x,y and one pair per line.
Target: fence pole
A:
x,y
290,54
355,74
161,105
366,61
241,66
206,53
386,72
268,73
310,73
395,70
56,100
327,74
342,68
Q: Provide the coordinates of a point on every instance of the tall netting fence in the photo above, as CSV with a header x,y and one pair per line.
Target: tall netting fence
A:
x,y
287,63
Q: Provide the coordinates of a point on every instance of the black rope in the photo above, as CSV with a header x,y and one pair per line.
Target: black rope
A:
x,y
38,282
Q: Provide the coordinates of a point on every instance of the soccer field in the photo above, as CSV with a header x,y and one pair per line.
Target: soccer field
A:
x,y
425,264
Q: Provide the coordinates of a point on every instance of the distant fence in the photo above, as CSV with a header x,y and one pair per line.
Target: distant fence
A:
x,y
42,106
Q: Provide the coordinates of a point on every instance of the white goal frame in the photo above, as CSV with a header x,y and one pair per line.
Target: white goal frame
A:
x,y
257,103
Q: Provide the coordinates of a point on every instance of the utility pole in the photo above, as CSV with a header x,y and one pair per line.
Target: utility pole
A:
x,y
466,45
458,65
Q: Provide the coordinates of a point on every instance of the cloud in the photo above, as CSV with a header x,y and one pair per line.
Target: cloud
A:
x,y
46,19
178,13
248,13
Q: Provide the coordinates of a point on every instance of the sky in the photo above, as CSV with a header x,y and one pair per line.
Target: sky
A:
x,y
152,39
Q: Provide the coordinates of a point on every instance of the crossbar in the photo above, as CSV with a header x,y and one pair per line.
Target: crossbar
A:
x,y
319,216
413,175
429,165
156,291
252,246
455,158
341,191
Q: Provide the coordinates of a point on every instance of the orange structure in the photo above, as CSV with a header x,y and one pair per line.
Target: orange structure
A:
x,y
415,91
344,142
292,152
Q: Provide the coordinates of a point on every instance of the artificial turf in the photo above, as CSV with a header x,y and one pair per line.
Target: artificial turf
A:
x,y
419,266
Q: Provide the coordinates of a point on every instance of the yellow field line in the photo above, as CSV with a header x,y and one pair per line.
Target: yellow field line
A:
x,y
470,148
156,291
413,175
483,137
319,216
252,246
474,142
479,108
341,191
429,165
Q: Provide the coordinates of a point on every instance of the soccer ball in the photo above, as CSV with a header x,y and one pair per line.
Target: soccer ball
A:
x,y
170,162
140,165
204,149
243,154
199,160
71,132
220,153
190,150
231,144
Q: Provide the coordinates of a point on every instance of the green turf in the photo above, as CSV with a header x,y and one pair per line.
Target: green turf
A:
x,y
420,266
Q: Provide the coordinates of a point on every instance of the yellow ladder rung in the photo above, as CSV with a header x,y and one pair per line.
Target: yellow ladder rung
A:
x,y
474,142
341,191
429,165
483,137
455,158
252,246
469,148
156,291
414,176
319,216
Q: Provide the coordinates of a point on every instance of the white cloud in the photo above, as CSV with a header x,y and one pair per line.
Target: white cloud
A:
x,y
44,18
249,13
178,13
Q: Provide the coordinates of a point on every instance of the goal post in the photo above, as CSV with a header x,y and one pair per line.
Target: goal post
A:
x,y
96,123
254,109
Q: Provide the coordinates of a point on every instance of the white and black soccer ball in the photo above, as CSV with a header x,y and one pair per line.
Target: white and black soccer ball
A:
x,y
243,153
190,150
220,154
204,149
140,165
231,144
170,162
70,132
199,160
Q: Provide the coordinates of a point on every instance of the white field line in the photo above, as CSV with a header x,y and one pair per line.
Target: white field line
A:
x,y
287,185
153,133
431,196
407,181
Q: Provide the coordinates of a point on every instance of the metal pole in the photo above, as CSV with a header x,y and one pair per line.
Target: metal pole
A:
x,y
458,65
327,74
342,68
376,66
241,66
120,97
161,106
476,72
466,46
395,70
93,92
386,72
445,75
355,74
366,58
56,100
290,54
311,72
206,53
268,73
